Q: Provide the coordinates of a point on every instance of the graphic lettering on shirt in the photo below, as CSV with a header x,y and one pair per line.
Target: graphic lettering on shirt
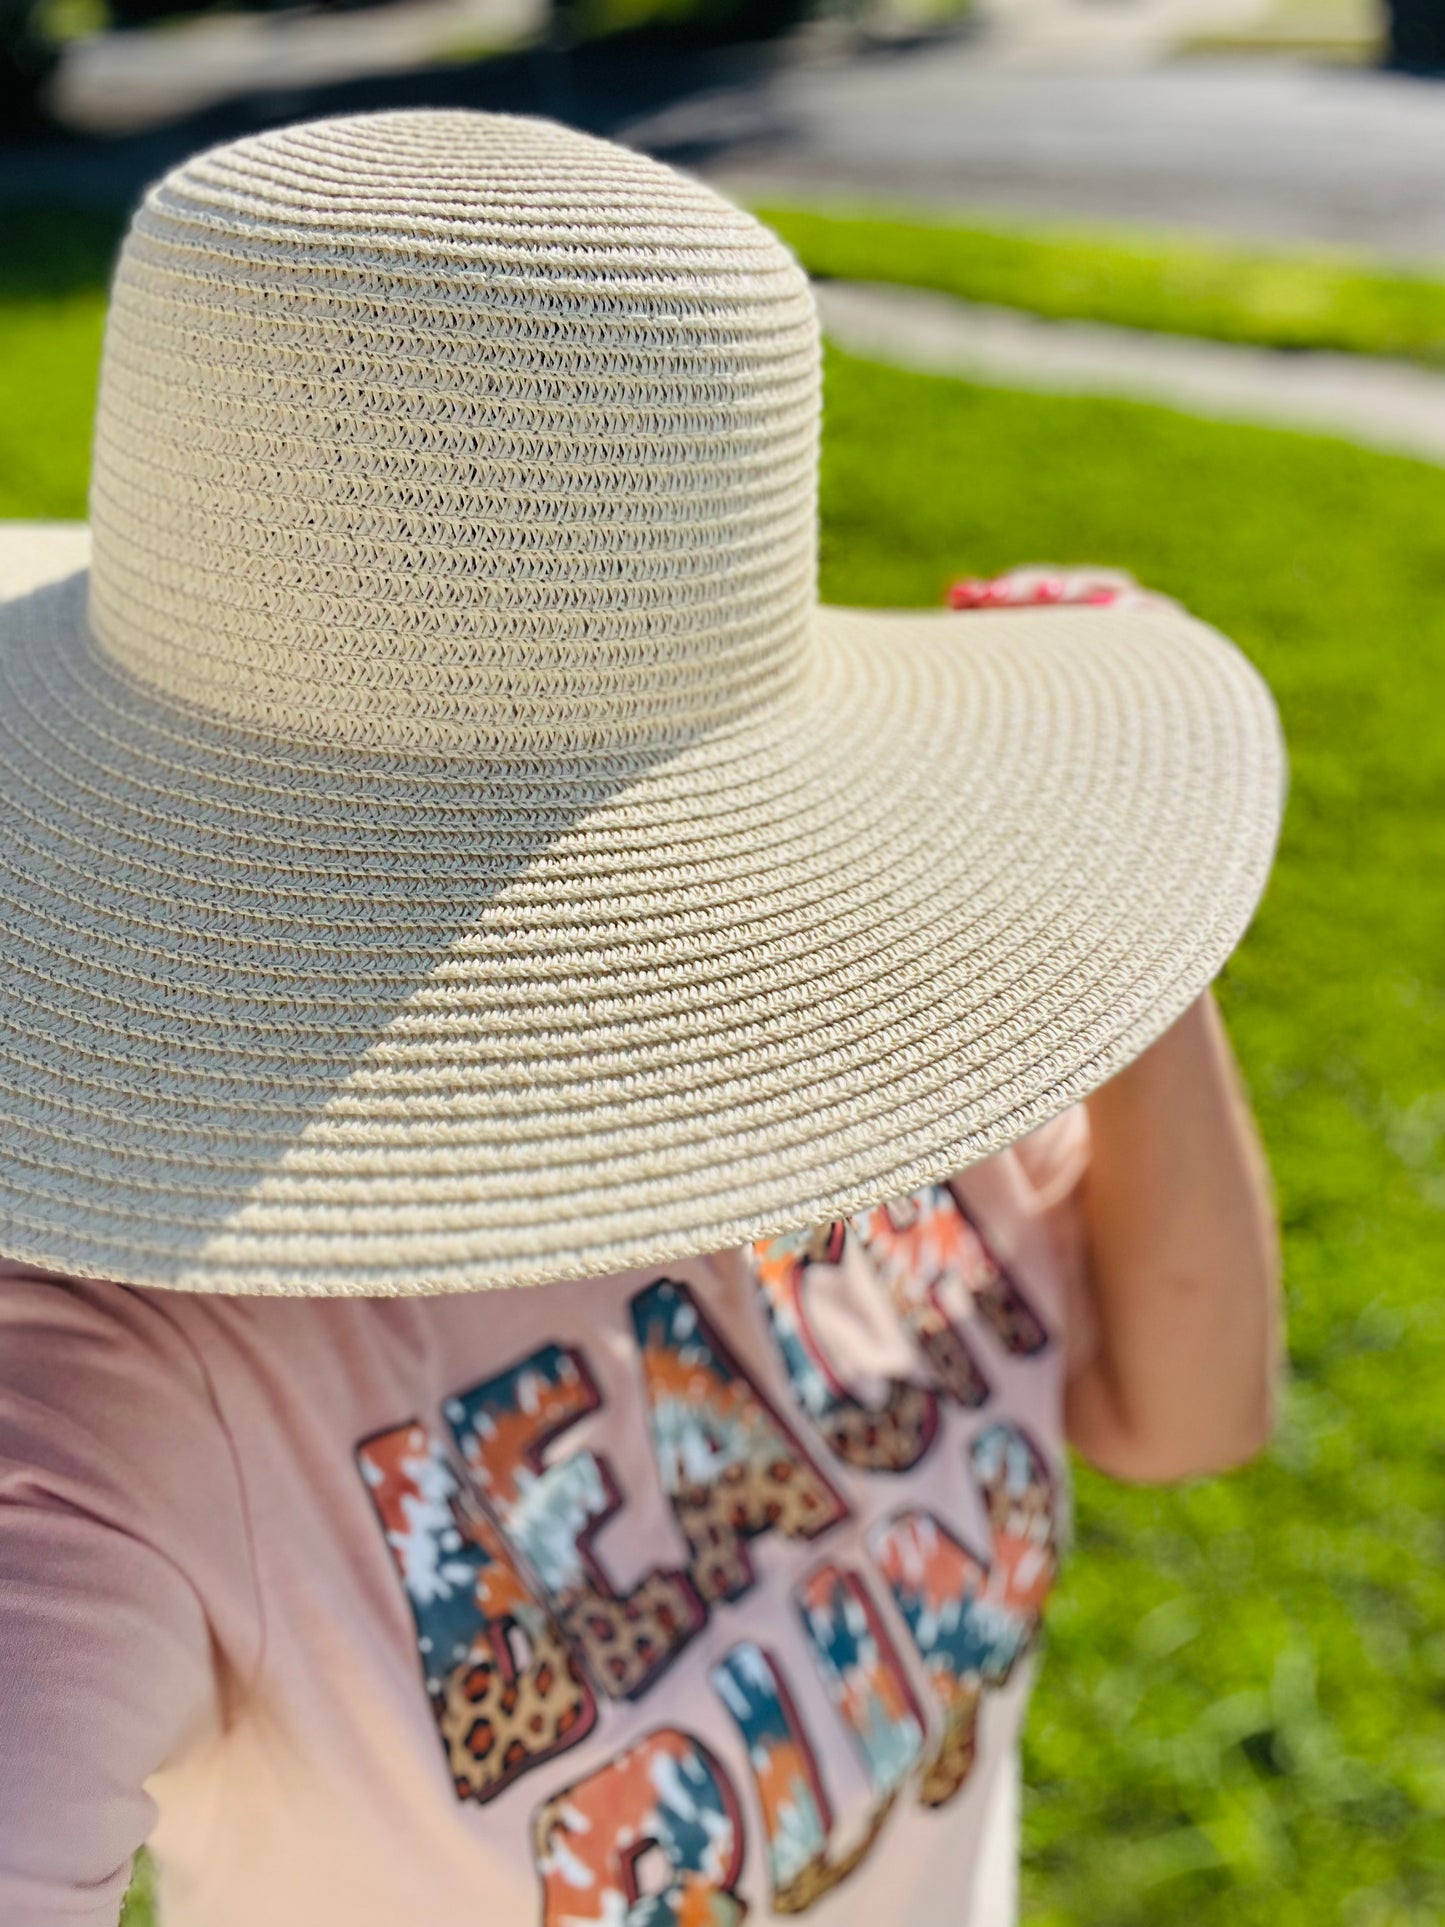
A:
x,y
937,1266
730,1466
931,1262
972,1620
505,1690
797,1819
863,1675
892,1435
550,1512
652,1839
522,1629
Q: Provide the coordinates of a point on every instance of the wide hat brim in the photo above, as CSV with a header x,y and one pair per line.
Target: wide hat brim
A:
x,y
297,1020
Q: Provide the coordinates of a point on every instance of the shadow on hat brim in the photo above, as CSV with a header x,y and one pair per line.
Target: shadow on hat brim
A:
x,y
292,1019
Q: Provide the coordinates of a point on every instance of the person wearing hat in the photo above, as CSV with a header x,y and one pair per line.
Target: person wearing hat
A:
x,y
577,1130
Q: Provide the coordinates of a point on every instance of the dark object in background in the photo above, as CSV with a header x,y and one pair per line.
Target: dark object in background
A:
x,y
28,56
699,21
1416,35
29,51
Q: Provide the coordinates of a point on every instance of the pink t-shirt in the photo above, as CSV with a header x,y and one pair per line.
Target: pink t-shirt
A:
x,y
652,1601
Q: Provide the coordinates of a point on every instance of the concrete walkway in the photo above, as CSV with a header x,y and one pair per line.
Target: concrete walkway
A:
x,y
1274,149
1391,405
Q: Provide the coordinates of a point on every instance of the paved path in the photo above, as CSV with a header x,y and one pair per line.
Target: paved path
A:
x,y
1384,404
1273,148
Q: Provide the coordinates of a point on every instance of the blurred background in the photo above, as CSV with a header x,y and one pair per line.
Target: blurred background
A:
x,y
1158,283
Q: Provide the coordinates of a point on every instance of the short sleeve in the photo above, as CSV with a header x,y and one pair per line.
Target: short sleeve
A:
x,y
124,1580
1056,1156
1055,1161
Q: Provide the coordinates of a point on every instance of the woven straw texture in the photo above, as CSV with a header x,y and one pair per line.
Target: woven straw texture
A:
x,y
442,842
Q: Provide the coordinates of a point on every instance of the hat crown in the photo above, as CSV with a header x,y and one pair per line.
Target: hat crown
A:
x,y
430,431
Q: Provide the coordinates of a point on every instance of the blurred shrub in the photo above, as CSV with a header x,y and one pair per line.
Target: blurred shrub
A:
x,y
724,20
1416,35
33,32
28,54
718,20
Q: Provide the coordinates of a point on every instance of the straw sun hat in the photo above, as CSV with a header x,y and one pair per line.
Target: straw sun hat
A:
x,y
443,842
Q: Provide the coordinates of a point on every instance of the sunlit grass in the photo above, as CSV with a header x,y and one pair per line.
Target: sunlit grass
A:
x,y
1173,283
1242,1715
54,265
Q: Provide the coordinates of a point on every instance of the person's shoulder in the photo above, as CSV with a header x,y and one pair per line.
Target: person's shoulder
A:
x,y
83,1356
42,1312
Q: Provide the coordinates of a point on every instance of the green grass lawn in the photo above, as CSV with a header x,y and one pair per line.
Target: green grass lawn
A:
x,y
54,265
1242,1715
1173,283
1242,1711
